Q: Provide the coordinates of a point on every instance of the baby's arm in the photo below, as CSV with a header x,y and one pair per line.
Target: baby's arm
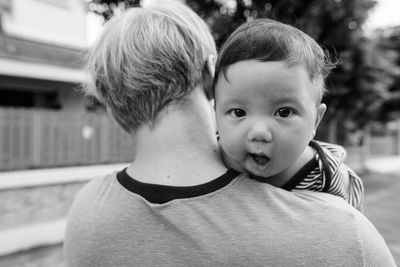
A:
x,y
342,181
346,183
339,180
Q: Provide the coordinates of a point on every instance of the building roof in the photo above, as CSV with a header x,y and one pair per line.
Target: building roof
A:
x,y
19,49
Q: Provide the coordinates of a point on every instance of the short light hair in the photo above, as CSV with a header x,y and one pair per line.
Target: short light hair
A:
x,y
149,58
269,40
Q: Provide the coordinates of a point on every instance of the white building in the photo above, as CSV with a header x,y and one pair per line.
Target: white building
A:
x,y
42,43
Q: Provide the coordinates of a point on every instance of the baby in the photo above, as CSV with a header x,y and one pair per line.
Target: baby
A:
x,y
268,87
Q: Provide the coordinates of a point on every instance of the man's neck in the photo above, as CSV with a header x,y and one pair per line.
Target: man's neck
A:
x,y
179,150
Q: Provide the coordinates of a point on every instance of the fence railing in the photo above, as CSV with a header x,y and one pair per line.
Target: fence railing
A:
x,y
41,138
375,145
31,138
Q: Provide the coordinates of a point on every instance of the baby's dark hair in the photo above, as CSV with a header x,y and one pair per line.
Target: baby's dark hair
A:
x,y
269,40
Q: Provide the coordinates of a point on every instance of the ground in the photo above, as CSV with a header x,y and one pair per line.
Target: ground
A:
x,y
382,207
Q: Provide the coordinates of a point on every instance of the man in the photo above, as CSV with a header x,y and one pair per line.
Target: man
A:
x,y
177,204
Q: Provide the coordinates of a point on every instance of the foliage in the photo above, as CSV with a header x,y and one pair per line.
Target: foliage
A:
x,y
107,8
361,86
389,41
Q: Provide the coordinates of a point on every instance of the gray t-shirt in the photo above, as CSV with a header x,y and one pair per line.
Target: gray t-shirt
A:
x,y
242,223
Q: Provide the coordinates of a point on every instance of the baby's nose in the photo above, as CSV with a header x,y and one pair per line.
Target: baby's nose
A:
x,y
260,132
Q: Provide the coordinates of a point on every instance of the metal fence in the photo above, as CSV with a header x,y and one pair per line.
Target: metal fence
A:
x,y
41,138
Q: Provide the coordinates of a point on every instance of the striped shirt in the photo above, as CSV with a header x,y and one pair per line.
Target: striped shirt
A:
x,y
329,174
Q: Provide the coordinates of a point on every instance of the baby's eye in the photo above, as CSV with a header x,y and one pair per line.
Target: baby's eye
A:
x,y
237,112
284,112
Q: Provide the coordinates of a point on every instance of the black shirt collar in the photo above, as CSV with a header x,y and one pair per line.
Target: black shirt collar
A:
x,y
159,194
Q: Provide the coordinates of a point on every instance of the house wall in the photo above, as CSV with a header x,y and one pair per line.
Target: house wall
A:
x,y
54,21
44,42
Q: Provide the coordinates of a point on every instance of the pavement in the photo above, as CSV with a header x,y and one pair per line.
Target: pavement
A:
x,y
382,206
384,165
381,178
37,177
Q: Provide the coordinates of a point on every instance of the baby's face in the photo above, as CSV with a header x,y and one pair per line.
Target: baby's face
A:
x,y
266,116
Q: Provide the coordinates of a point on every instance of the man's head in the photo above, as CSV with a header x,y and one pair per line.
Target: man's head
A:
x,y
268,90
147,59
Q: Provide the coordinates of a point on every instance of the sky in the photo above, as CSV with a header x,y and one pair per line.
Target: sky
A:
x,y
386,13
93,27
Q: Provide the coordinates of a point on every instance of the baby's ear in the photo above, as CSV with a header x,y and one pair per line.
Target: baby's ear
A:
x,y
320,114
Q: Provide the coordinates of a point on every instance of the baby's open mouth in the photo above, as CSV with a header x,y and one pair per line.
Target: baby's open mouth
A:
x,y
260,159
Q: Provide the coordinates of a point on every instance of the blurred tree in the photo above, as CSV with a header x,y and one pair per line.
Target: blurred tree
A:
x,y
370,82
358,87
389,40
107,8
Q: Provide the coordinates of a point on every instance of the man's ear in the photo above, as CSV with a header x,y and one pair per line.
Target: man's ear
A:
x,y
320,114
211,60
208,76
212,102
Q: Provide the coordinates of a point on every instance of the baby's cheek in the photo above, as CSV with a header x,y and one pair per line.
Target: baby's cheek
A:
x,y
230,162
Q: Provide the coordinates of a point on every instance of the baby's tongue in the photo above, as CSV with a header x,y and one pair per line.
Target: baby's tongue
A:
x,y
260,159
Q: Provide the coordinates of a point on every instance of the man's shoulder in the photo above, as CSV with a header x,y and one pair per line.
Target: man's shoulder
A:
x,y
88,219
325,203
95,185
322,198
349,220
85,206
310,206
